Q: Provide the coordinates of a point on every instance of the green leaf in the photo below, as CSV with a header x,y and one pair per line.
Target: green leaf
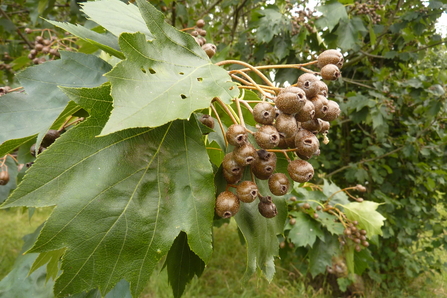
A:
x,y
270,24
260,233
305,231
140,188
24,115
162,80
320,256
13,144
362,259
333,191
116,16
106,42
349,33
328,221
182,264
367,216
332,13
52,259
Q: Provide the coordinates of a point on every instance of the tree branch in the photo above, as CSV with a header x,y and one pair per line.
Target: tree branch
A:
x,y
30,45
364,161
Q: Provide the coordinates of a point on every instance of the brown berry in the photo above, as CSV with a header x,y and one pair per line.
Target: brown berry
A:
x,y
267,210
200,23
330,72
236,135
279,184
227,204
330,57
4,177
308,82
209,49
247,191
267,137
264,113
306,113
290,100
300,170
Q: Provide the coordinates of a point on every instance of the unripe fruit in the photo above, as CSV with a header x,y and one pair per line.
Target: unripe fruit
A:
x,y
332,112
209,49
227,204
306,113
236,135
268,210
291,102
330,57
245,154
264,166
330,72
292,221
279,184
300,170
267,137
308,82
264,113
247,191
50,137
286,125
207,120
4,177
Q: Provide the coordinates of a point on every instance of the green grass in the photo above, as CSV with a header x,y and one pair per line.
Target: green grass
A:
x,y
14,224
223,275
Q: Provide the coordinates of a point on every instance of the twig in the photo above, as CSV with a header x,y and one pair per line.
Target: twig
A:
x,y
364,161
30,45
220,123
252,68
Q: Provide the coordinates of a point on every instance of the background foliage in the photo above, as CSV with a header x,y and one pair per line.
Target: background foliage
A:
x,y
391,136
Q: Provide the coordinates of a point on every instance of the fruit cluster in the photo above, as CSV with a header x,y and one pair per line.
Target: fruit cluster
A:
x,y
370,9
45,48
290,122
199,35
356,235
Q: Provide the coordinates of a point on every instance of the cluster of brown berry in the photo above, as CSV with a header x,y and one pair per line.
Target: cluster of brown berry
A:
x,y
45,46
199,35
358,236
288,123
370,9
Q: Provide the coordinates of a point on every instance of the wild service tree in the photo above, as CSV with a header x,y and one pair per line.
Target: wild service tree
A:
x,y
138,174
